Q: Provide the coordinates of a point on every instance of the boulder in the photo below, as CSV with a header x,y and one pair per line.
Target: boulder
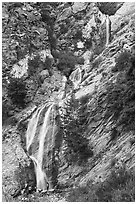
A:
x,y
44,54
122,16
44,74
11,113
80,45
20,69
79,6
65,14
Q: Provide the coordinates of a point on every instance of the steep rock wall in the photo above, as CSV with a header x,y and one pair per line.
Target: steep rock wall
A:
x,y
119,151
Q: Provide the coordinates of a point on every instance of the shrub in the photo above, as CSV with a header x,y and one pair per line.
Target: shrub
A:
x,y
6,108
33,65
80,60
120,96
96,62
74,126
67,62
63,28
78,35
119,187
25,177
88,43
123,61
17,92
36,65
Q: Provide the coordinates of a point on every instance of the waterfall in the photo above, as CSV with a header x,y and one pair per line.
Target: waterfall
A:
x,y
108,29
44,139
42,135
32,126
36,140
76,77
41,177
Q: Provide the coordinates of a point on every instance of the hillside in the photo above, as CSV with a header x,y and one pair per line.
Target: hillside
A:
x,y
68,102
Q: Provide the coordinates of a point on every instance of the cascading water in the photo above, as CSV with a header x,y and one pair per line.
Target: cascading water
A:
x,y
41,177
37,156
76,77
108,29
42,135
32,126
44,139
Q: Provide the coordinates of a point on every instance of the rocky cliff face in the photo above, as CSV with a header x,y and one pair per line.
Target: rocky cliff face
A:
x,y
106,92
108,140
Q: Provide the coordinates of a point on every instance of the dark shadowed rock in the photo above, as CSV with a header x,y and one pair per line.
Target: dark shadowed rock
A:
x,y
109,8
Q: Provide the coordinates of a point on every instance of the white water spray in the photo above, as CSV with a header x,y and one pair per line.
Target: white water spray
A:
x,y
41,177
42,135
76,77
37,156
107,29
32,126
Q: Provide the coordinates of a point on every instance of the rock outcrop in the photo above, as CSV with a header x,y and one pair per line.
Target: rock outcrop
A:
x,y
100,74
18,169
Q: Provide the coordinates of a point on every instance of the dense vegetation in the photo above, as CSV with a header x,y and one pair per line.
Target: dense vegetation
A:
x,y
67,62
24,34
119,187
120,96
17,92
28,28
74,127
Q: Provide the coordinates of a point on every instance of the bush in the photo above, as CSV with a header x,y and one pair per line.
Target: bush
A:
x,y
36,65
33,65
120,96
6,108
63,28
17,92
119,187
74,126
26,179
88,43
78,35
67,62
80,60
124,61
